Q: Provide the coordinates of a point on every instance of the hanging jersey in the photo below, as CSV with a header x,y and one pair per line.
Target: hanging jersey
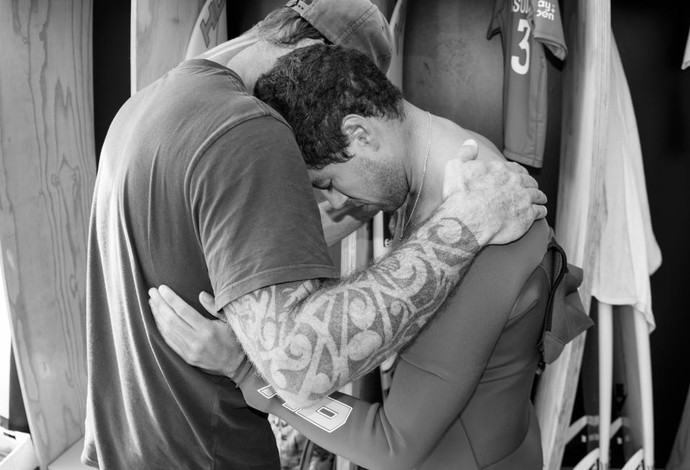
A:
x,y
526,26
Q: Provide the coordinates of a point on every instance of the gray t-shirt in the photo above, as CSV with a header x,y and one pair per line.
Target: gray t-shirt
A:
x,y
200,187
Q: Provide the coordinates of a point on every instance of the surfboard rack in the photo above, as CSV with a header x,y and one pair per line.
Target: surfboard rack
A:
x,y
629,329
589,462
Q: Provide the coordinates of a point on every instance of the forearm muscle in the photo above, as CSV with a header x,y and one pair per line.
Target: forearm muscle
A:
x,y
315,338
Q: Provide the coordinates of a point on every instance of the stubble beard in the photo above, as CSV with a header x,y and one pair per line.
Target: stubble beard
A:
x,y
392,185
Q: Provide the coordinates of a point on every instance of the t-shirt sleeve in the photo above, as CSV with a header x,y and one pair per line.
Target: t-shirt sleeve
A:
x,y
254,209
548,28
495,24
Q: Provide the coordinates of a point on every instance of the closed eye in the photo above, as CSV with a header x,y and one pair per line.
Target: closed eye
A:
x,y
323,185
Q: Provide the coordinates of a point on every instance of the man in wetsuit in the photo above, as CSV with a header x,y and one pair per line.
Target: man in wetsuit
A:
x,y
460,396
202,187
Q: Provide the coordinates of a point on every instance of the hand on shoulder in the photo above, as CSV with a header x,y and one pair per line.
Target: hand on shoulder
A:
x,y
497,201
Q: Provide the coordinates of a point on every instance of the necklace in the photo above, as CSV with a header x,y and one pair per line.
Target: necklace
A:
x,y
421,185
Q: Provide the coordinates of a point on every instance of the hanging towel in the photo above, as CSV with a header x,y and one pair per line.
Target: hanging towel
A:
x,y
624,252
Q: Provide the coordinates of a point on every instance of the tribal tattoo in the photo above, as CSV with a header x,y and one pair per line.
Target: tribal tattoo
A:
x,y
316,337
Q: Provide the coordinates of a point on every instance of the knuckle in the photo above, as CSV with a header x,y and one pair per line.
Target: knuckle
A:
x,y
192,358
175,303
195,349
166,294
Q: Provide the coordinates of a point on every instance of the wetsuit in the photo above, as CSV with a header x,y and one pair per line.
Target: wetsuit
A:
x,y
460,396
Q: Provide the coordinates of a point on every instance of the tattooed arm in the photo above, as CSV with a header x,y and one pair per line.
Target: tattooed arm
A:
x,y
311,339
308,339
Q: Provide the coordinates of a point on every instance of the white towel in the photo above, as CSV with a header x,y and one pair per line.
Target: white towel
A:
x,y
624,252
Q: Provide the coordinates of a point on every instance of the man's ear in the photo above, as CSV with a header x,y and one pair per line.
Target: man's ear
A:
x,y
359,131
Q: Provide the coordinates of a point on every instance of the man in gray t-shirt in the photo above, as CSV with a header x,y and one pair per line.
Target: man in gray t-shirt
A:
x,y
202,187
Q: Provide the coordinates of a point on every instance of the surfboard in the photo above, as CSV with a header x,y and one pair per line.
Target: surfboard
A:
x,y
354,253
47,173
211,28
5,356
679,457
382,236
686,55
366,242
397,26
165,32
632,380
584,110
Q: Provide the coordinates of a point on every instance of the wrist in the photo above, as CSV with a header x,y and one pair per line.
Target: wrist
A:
x,y
455,226
471,214
241,372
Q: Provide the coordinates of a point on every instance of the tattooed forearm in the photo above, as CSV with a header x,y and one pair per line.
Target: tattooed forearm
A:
x,y
316,338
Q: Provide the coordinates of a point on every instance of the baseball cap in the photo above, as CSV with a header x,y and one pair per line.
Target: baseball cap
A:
x,y
350,23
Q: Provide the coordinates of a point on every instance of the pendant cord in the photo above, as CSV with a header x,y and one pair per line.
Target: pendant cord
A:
x,y
421,185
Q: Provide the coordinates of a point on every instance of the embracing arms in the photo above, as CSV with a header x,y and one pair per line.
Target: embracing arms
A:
x,y
437,376
307,339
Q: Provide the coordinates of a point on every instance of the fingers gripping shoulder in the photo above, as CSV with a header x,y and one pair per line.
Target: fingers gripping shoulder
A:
x,y
498,201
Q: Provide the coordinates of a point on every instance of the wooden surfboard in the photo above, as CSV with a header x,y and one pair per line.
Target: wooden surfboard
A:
x,y
366,242
395,75
632,380
588,29
354,253
397,25
160,32
165,32
382,236
5,355
211,28
626,378
47,173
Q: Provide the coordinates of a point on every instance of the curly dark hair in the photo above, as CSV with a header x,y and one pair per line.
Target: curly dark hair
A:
x,y
315,87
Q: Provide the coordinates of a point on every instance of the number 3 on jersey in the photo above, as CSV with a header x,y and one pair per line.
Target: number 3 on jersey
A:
x,y
520,63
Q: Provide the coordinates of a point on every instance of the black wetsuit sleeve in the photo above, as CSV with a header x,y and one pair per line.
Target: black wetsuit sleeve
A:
x,y
420,406
434,378
396,435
